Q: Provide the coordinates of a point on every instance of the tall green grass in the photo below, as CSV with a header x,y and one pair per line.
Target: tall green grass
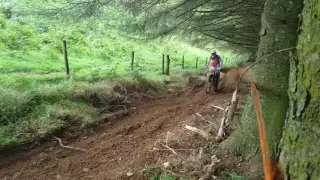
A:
x,y
32,107
35,97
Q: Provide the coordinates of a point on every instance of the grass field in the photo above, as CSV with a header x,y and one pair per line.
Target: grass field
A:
x,y
35,97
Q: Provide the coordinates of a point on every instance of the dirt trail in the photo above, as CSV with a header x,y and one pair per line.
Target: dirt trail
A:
x,y
118,147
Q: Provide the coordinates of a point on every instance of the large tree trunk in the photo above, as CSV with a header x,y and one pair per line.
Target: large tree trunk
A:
x,y
278,31
300,156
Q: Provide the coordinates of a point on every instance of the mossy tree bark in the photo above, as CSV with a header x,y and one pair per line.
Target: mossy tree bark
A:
x,y
278,31
300,156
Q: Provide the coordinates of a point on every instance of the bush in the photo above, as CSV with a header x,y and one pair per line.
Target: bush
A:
x,y
3,22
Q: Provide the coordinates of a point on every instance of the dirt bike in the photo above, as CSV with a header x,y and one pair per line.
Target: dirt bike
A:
x,y
210,82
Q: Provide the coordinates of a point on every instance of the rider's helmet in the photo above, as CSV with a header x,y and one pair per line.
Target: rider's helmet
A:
x,y
214,53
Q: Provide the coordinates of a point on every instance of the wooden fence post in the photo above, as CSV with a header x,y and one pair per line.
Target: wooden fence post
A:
x,y
132,60
65,53
163,64
168,65
183,62
197,63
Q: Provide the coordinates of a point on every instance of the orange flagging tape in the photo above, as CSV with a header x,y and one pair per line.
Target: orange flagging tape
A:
x,y
269,173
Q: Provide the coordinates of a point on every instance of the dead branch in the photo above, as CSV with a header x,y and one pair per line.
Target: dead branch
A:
x,y
198,114
233,106
217,107
172,150
201,132
68,147
200,155
157,149
210,169
228,115
223,120
167,146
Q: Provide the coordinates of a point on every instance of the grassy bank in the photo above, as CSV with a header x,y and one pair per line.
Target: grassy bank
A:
x,y
33,107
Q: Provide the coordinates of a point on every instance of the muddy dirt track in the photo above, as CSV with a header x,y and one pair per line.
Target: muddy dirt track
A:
x,y
125,145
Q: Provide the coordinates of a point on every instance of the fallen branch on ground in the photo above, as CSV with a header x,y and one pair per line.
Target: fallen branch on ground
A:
x,y
210,169
201,132
167,146
172,150
228,115
198,114
68,147
221,132
218,107
233,106
200,155
157,149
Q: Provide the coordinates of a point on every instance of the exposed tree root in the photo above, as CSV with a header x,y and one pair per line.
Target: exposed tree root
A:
x,y
68,147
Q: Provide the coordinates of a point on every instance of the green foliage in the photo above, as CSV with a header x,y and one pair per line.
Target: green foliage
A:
x,y
156,172
3,22
209,149
231,176
152,168
163,176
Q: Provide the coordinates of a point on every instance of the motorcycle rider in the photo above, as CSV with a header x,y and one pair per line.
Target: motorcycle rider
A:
x,y
215,62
